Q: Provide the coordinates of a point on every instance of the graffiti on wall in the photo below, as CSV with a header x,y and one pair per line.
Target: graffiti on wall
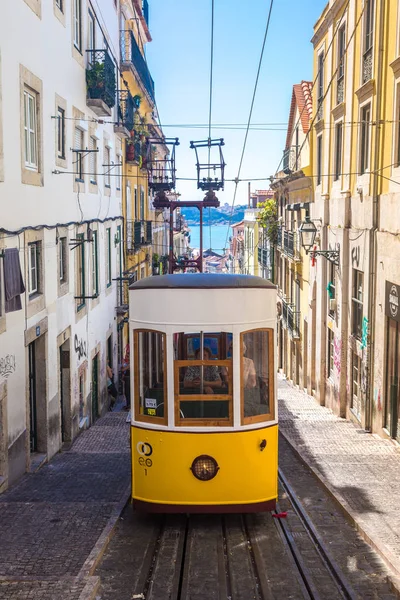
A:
x,y
364,336
80,347
337,354
355,256
8,365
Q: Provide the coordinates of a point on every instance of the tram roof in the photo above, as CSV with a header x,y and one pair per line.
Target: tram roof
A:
x,y
202,281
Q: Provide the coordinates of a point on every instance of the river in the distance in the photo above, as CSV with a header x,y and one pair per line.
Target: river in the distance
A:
x,y
219,237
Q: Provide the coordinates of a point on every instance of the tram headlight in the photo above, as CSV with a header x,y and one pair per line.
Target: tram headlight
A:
x,y
204,467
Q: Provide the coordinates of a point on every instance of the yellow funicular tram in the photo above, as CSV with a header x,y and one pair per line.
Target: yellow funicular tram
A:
x,y
204,434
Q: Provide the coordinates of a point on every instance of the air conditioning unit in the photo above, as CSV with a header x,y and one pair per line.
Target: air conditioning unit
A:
x,y
333,305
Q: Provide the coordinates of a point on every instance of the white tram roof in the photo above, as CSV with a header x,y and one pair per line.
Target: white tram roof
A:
x,y
214,302
201,281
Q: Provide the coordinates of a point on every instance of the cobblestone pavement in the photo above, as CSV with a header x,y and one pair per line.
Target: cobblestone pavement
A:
x,y
360,469
53,520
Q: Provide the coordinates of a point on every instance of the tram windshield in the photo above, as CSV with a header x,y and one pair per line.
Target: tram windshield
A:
x,y
150,384
257,375
203,377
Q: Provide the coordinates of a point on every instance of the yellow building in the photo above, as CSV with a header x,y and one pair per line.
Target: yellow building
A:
x,y
356,172
293,194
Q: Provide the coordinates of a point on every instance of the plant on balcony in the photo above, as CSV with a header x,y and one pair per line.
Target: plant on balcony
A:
x,y
268,219
99,84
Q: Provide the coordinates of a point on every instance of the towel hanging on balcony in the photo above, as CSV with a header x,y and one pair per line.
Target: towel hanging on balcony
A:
x,y
13,282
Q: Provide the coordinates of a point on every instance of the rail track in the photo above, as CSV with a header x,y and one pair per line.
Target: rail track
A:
x,y
210,557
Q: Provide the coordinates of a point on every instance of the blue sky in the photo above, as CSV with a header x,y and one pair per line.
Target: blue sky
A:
x,y
179,60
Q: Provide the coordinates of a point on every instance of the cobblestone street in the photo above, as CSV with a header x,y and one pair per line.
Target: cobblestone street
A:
x,y
56,522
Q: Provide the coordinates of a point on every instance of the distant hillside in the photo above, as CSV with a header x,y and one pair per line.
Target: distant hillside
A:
x,y
217,216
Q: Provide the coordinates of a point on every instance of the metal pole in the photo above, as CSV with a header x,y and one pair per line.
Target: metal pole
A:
x,y
201,239
171,240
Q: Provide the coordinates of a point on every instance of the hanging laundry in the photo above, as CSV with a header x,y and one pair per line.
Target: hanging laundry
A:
x,y
13,282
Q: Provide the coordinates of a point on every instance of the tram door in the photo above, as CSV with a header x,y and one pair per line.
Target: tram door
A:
x,y
32,398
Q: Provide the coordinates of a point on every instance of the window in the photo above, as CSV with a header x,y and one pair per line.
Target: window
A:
x,y
338,150
320,85
77,24
93,160
355,402
60,132
108,256
91,37
357,303
368,24
59,3
33,268
364,142
62,244
78,156
341,51
319,159
203,378
95,265
141,202
30,128
119,234
150,382
331,353
257,376
107,167
119,162
80,272
135,197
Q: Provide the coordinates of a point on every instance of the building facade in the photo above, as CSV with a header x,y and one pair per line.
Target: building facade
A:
x,y
61,231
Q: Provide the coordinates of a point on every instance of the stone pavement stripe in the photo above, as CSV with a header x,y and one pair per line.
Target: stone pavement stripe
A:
x,y
315,445
100,547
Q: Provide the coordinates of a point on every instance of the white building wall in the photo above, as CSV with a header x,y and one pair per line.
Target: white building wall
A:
x,y
41,47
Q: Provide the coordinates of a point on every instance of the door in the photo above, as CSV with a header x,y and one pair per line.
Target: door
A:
x,y
65,390
95,388
32,398
392,406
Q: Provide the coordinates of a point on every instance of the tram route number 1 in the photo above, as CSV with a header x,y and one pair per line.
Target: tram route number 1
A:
x,y
145,450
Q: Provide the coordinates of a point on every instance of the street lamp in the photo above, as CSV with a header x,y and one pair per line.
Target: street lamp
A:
x,y
308,232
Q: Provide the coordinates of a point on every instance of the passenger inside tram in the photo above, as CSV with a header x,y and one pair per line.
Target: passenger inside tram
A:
x,y
255,373
202,379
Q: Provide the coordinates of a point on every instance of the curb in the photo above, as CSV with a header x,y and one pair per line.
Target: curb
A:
x,y
90,590
387,556
92,561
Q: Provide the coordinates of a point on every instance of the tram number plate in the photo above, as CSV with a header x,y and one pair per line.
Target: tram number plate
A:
x,y
145,450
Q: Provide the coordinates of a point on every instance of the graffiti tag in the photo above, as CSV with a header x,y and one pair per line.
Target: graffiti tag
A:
x,y
80,347
8,364
337,353
355,256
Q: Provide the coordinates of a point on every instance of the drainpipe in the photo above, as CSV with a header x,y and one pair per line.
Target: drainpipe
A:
x,y
374,231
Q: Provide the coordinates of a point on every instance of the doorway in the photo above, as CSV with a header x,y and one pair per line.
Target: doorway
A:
x,y
65,391
33,431
95,388
37,395
392,404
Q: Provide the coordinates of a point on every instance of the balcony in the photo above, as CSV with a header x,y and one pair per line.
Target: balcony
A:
x,y
100,80
138,233
135,152
291,319
132,59
125,113
291,161
122,295
145,10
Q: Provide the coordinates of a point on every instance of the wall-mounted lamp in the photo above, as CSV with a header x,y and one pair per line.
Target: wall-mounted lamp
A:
x,y
308,232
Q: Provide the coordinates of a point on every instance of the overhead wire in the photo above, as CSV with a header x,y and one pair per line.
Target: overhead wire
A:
x,y
210,104
251,111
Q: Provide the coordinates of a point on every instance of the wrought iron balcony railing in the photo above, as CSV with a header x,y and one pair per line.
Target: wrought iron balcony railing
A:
x,y
291,160
122,295
131,56
367,65
291,319
289,242
138,233
126,110
100,77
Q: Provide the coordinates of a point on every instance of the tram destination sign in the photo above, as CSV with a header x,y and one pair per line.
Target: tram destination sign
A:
x,y
392,301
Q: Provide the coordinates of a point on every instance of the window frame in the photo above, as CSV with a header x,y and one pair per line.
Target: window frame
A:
x,y
107,167
369,26
358,368
319,158
266,418
358,276
34,291
80,277
79,164
95,265
93,159
62,260
108,257
144,418
91,33
365,139
31,129
119,173
77,24
60,132
338,150
341,52
60,5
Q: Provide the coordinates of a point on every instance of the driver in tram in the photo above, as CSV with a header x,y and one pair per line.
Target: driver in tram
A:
x,y
211,376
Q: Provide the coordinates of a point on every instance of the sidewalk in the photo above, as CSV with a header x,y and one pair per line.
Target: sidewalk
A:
x,y
361,470
56,522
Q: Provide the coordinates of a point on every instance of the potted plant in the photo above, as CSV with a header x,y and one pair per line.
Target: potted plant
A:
x,y
156,264
98,86
130,147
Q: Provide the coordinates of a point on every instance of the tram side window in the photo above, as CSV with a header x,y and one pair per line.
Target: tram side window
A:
x,y
203,376
150,384
257,375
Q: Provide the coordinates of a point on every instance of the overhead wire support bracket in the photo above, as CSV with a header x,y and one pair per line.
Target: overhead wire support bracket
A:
x,y
217,167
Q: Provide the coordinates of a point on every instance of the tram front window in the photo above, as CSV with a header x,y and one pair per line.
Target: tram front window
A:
x,y
150,388
257,374
203,376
